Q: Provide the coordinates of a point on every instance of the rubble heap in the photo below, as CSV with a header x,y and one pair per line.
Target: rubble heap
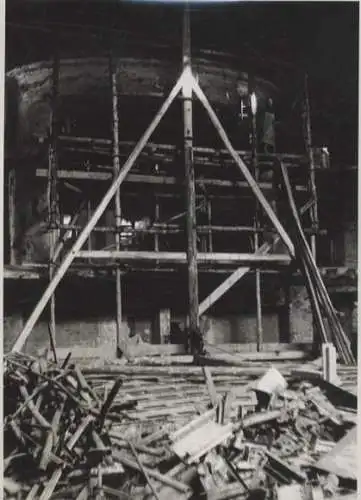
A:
x,y
72,433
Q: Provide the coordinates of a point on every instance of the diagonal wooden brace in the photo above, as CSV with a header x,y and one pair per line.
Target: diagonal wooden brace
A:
x,y
109,195
243,168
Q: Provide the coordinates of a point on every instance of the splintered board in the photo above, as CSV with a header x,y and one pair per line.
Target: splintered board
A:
x,y
342,459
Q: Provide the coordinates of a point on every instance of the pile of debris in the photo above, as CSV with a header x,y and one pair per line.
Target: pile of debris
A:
x,y
67,436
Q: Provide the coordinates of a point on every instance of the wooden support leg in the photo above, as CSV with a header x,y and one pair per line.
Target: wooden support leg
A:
x,y
53,197
64,266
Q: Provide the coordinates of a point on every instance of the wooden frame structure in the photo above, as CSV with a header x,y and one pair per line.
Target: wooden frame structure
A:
x,y
188,87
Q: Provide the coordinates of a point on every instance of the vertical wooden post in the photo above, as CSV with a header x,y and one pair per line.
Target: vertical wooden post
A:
x,y
204,239
161,326
11,208
117,207
210,237
53,193
156,235
255,168
285,309
89,213
311,159
189,174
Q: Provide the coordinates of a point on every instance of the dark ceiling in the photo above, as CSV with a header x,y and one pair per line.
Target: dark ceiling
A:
x,y
281,39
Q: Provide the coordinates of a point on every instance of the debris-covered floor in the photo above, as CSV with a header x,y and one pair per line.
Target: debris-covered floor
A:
x,y
177,431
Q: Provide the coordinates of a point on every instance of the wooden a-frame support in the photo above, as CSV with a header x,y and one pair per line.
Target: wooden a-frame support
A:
x,y
83,236
187,79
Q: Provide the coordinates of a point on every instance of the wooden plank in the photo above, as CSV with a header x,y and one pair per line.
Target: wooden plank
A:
x,y
267,159
181,258
153,179
176,485
103,271
273,351
19,343
342,459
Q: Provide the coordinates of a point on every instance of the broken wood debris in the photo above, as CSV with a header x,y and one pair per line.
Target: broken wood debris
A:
x,y
73,433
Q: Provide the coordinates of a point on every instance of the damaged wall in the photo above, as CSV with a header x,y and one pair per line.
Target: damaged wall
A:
x,y
223,82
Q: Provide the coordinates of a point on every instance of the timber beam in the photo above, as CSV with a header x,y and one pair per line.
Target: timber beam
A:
x,y
181,257
83,175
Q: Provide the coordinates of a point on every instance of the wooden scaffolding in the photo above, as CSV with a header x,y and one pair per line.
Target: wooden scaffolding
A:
x,y
250,164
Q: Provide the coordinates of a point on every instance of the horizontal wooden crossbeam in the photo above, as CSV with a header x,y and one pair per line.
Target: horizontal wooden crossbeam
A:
x,y
153,179
181,257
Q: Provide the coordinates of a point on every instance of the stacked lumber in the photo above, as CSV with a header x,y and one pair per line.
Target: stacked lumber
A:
x,y
129,431
325,316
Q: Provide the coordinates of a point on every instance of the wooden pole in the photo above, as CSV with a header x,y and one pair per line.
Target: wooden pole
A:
x,y
314,299
53,196
121,341
193,302
311,159
156,217
64,266
89,214
285,313
253,106
243,168
210,237
12,212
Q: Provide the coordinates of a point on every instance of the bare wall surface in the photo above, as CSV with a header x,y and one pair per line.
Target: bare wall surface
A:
x,y
97,336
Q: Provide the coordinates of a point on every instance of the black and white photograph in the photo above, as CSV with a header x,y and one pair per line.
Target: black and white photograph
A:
x,y
180,250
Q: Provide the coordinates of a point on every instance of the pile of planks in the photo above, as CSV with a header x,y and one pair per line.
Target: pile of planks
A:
x,y
325,316
171,432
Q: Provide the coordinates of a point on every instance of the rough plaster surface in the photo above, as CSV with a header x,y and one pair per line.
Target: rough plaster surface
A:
x,y
77,336
100,335
351,246
241,329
